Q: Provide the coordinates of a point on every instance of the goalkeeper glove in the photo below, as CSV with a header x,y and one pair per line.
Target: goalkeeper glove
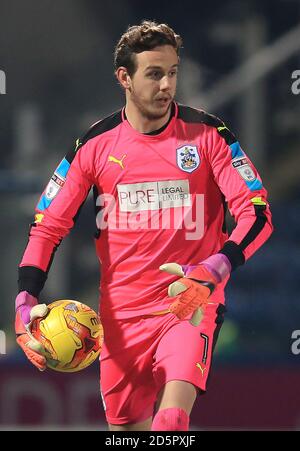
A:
x,y
195,285
27,310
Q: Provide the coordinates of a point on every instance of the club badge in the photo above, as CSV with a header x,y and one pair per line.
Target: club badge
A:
x,y
188,158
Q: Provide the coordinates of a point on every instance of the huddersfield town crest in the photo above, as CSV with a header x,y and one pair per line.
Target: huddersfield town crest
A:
x,y
188,158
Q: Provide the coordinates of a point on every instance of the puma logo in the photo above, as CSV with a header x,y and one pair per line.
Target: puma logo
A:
x,y
78,143
200,368
221,128
115,160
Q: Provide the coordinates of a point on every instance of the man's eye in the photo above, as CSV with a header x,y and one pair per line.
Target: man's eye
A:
x,y
155,74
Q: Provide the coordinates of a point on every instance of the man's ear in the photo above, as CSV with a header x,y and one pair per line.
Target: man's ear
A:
x,y
123,77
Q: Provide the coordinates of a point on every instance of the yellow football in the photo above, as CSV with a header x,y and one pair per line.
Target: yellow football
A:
x,y
71,335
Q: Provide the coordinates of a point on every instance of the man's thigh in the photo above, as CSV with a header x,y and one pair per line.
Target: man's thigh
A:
x,y
127,385
185,351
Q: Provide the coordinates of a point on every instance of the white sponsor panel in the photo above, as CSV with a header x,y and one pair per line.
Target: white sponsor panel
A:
x,y
154,195
174,194
138,196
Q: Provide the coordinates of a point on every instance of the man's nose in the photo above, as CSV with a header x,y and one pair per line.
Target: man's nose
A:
x,y
165,83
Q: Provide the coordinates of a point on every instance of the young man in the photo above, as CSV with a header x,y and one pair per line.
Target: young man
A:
x,y
162,174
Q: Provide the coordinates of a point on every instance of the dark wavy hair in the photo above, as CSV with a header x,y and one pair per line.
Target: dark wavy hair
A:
x,y
139,38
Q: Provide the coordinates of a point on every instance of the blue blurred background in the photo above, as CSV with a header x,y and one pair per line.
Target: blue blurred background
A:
x,y
238,62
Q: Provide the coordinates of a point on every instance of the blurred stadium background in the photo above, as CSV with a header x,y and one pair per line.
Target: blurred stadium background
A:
x,y
237,62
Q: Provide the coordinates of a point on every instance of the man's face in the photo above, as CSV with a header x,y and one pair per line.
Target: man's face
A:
x,y
153,85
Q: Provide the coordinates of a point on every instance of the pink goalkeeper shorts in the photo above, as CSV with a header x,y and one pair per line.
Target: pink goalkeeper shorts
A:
x,y
142,354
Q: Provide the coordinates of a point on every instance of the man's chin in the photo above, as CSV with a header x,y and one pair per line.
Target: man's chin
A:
x,y
160,110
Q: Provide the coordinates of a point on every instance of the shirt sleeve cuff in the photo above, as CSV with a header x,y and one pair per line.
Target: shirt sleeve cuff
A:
x,y
31,279
234,254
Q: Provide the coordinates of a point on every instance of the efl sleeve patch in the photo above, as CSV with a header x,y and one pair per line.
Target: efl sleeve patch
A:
x,y
55,184
246,172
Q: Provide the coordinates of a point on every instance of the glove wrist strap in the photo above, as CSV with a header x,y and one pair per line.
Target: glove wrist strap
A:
x,y
218,265
24,298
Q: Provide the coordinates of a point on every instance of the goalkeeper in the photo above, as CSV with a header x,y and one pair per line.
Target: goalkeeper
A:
x,y
163,175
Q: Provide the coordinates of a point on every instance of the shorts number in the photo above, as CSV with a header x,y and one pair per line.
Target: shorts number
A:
x,y
205,350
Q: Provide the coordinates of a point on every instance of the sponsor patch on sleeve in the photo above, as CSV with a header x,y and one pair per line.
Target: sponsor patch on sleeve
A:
x,y
54,186
244,169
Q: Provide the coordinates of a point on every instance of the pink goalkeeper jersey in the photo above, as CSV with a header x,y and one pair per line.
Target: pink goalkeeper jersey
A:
x,y
160,198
